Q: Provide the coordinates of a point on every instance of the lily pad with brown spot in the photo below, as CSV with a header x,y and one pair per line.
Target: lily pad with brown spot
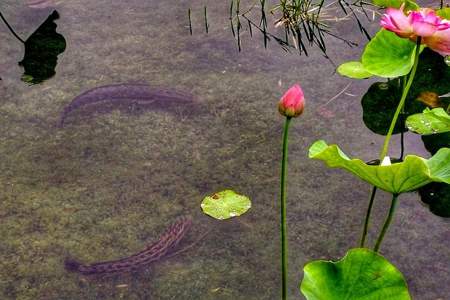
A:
x,y
225,204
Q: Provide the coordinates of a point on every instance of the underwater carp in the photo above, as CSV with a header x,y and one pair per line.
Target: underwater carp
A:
x,y
154,252
41,3
132,97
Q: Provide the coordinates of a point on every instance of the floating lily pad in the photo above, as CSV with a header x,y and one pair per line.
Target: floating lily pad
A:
x,y
437,197
353,69
361,275
226,204
429,122
388,55
382,98
432,75
436,141
413,173
379,105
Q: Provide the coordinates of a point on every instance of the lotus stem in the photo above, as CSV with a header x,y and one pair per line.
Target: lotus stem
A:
x,y
386,223
367,220
385,149
283,209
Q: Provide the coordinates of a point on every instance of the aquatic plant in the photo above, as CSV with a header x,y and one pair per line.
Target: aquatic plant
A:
x,y
305,23
291,105
225,204
394,53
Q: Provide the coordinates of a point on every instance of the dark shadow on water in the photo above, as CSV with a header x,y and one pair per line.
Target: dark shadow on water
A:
x,y
41,51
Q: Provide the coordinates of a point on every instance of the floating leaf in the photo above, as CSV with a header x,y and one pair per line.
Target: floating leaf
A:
x,y
388,55
444,13
429,122
41,51
382,98
409,4
437,141
379,105
226,204
361,275
396,178
353,69
437,197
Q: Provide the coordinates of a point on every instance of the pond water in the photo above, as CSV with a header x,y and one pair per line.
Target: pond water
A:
x,y
105,185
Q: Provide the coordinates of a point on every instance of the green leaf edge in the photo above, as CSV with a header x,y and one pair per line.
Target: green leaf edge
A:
x,y
427,171
444,13
436,113
353,69
312,264
365,58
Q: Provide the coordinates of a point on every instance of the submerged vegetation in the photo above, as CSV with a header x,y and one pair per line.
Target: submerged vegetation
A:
x,y
98,189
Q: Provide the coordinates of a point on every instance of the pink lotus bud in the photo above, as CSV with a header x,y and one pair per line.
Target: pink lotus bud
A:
x,y
292,102
435,32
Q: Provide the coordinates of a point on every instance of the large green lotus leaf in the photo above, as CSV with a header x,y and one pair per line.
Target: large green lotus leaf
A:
x,y
353,69
429,122
409,4
388,55
396,178
437,197
361,275
226,204
444,13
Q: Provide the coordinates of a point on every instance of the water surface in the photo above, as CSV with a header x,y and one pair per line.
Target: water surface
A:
x,y
104,187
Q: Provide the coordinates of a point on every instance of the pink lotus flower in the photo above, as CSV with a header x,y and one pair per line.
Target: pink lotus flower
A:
x,y
292,102
435,32
439,42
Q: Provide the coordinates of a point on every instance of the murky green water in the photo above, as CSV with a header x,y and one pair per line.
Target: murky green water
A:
x,y
103,187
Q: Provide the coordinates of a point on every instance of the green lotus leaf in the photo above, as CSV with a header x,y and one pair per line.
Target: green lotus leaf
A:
x,y
388,55
444,13
396,178
429,122
226,204
437,197
353,69
409,4
361,275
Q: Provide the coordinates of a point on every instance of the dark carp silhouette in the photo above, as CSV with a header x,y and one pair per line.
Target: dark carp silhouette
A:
x,y
129,97
152,253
